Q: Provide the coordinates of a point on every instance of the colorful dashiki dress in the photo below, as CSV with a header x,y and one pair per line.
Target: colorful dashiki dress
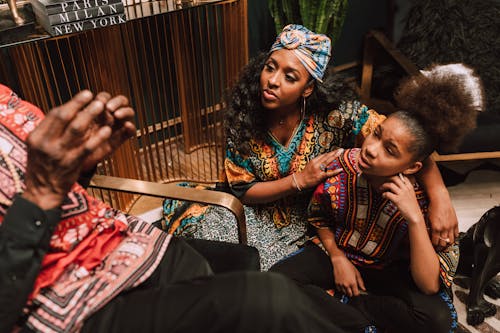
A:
x,y
369,229
276,229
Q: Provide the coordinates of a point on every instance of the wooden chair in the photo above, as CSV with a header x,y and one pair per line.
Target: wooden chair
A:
x,y
173,191
379,50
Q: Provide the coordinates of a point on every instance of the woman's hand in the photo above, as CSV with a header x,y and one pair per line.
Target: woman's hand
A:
x,y
443,221
347,278
316,170
442,216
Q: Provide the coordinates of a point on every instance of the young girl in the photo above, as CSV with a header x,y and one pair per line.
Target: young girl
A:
x,y
287,117
371,218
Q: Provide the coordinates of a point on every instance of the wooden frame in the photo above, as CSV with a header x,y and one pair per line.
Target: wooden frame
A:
x,y
375,41
173,191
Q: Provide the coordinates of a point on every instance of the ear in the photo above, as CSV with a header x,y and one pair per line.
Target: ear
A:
x,y
413,168
308,89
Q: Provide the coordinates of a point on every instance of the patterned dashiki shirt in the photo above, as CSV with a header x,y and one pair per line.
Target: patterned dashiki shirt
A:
x,y
368,228
95,253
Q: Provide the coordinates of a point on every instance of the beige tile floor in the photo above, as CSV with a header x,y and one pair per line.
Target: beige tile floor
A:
x,y
479,192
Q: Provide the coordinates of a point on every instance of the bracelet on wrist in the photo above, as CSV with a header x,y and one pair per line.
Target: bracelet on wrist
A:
x,y
296,183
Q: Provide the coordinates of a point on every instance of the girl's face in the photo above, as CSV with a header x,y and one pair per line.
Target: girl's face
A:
x,y
283,81
385,152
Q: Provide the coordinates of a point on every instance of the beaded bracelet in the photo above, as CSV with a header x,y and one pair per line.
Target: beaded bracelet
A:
x,y
296,183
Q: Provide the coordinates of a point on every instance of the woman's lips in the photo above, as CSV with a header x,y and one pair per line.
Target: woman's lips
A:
x,y
364,163
269,95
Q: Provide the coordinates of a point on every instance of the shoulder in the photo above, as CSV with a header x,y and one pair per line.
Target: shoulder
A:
x,y
347,163
19,116
347,114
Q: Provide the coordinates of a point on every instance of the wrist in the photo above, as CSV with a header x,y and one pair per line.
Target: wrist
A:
x,y
438,193
296,183
416,220
336,255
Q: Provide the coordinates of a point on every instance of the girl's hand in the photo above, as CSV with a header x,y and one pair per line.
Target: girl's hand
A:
x,y
399,189
347,278
316,171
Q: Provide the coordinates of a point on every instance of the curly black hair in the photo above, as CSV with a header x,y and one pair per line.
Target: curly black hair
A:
x,y
245,116
439,110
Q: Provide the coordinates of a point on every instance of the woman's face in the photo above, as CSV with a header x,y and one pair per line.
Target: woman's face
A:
x,y
283,81
385,152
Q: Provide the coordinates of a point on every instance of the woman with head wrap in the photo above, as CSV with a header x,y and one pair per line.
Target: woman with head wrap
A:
x,y
285,121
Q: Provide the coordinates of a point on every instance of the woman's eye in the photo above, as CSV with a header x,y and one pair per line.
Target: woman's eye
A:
x,y
390,151
290,78
269,67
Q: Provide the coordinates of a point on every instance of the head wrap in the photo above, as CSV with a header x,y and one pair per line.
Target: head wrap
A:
x,y
313,50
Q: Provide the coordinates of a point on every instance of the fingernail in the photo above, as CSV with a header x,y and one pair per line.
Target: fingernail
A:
x,y
339,170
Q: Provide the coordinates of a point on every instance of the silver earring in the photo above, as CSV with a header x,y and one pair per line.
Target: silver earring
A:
x,y
303,111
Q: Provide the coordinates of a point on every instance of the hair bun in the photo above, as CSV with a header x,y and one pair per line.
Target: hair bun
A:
x,y
446,100
465,75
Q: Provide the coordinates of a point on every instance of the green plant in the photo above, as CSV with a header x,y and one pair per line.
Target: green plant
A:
x,y
320,16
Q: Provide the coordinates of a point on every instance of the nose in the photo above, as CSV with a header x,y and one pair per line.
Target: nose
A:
x,y
273,79
371,149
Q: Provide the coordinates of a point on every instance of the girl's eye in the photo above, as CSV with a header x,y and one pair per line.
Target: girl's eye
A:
x,y
290,78
269,67
390,151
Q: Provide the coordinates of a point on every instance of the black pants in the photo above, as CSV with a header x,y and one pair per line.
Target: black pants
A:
x,y
183,296
225,257
394,301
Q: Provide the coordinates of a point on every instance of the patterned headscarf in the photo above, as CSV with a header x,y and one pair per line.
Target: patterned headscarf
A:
x,y
313,50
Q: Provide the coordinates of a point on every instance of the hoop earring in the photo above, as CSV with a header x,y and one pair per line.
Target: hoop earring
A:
x,y
303,109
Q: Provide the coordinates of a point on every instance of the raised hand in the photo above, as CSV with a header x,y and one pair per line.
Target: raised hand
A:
x,y
58,147
119,116
399,189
